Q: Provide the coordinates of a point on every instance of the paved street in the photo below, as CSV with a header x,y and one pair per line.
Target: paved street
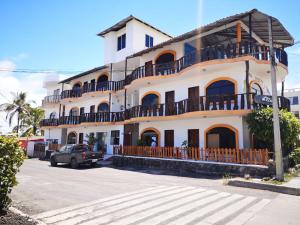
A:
x,y
113,196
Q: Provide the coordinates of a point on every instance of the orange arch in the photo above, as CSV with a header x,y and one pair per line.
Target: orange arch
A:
x,y
77,82
222,78
165,52
151,92
258,83
103,74
74,132
236,132
152,129
104,101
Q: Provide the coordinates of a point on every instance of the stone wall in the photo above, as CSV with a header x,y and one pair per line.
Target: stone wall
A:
x,y
192,168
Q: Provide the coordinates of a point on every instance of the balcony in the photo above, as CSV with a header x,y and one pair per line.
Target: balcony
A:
x,y
49,122
51,99
207,104
93,87
229,51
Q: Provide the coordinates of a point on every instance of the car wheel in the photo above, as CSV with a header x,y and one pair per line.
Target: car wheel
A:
x,y
93,164
74,163
52,161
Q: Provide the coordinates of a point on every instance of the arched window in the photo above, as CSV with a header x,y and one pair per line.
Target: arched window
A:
x,y
52,115
74,112
221,137
149,136
255,88
102,78
150,100
72,138
221,87
165,63
103,107
76,86
165,58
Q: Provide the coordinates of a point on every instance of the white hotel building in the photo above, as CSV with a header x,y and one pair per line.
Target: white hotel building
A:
x,y
197,87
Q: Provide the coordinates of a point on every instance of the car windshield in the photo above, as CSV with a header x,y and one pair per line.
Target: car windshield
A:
x,y
84,148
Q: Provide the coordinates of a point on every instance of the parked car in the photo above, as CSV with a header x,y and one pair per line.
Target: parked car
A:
x,y
75,155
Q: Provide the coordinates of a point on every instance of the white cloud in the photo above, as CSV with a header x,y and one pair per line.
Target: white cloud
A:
x,y
10,82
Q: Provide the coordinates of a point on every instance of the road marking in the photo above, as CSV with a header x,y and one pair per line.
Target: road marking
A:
x,y
117,203
207,209
230,210
136,213
246,215
184,209
161,205
70,208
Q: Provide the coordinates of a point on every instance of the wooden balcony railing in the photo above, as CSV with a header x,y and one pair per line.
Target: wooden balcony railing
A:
x,y
49,122
75,93
225,155
229,51
202,103
260,52
51,99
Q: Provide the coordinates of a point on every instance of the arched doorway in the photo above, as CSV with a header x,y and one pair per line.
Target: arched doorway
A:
x,y
165,63
151,99
102,83
256,88
72,138
221,136
52,115
74,112
150,135
76,90
103,107
220,87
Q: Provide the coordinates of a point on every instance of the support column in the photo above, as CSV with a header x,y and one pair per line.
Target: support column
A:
x,y
247,85
276,125
250,32
238,36
282,88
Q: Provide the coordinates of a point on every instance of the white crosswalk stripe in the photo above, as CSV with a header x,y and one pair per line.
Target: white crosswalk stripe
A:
x,y
161,205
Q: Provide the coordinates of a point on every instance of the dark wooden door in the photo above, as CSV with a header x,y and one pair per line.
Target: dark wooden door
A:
x,y
193,102
80,141
169,138
148,68
193,137
131,134
170,103
93,85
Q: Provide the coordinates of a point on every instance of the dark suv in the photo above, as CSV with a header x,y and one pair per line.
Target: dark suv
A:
x,y
75,155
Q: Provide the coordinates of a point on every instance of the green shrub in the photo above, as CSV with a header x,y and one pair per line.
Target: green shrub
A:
x,y
11,158
294,157
260,123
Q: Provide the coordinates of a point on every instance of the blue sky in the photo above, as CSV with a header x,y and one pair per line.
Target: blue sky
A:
x,y
60,35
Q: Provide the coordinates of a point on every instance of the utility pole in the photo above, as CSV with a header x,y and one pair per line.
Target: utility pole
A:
x,y
276,125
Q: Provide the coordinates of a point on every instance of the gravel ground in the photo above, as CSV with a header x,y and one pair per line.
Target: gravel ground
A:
x,y
10,218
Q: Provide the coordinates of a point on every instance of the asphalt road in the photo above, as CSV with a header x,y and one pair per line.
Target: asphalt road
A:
x,y
43,188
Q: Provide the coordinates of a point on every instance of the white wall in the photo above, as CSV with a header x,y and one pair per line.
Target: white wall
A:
x,y
181,127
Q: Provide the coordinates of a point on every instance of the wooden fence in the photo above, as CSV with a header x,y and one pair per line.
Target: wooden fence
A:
x,y
225,155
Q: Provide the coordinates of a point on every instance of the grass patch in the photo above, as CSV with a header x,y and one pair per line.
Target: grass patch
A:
x,y
287,177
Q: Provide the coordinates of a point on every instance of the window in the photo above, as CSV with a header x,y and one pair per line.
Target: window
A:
x,y
56,92
80,138
115,137
169,138
121,42
148,41
294,100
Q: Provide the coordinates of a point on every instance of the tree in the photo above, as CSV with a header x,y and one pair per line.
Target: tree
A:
x,y
18,107
260,123
11,158
31,123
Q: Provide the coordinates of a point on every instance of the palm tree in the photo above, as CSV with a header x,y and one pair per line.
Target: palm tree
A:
x,y
31,122
18,107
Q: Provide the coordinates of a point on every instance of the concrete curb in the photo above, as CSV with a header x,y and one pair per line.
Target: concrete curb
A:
x,y
17,211
269,187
